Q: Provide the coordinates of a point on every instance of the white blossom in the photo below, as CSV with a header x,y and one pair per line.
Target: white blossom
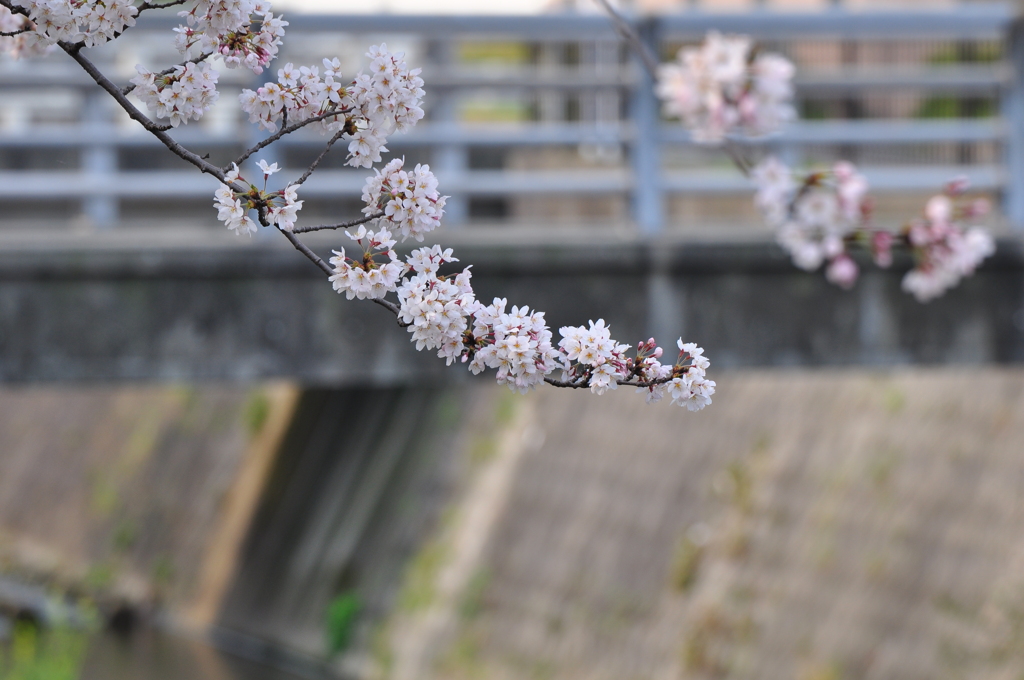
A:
x,y
368,278
717,89
186,93
409,200
91,22
944,253
813,217
224,27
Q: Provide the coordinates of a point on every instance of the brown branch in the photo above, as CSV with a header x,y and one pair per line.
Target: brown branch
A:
x,y
150,5
127,89
15,9
628,383
288,129
11,34
340,225
326,268
158,131
312,167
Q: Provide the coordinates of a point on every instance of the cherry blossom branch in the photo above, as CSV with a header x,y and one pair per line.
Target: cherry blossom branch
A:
x,y
326,268
340,225
127,89
11,34
584,383
312,166
441,313
288,129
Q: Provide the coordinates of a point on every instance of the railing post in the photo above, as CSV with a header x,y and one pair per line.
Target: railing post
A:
x,y
648,198
99,161
1013,117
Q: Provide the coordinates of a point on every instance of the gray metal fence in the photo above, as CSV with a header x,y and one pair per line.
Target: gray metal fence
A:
x,y
914,97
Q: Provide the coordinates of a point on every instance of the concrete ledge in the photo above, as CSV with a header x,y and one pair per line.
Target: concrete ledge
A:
x,y
118,308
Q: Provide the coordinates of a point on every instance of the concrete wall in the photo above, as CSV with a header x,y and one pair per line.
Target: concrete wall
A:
x,y
193,313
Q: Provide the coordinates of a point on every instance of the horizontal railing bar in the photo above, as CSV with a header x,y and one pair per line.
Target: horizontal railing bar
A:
x,y
334,183
900,131
881,179
424,134
963,20
963,78
539,27
959,78
968,20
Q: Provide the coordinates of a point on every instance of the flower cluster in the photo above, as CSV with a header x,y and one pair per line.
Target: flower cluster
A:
x,y
91,22
692,389
592,358
436,307
409,199
599,360
209,20
444,314
186,92
517,343
234,39
814,217
943,251
723,87
368,108
366,278
233,206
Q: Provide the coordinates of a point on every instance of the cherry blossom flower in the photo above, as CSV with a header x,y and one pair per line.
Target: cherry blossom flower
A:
x,y
944,252
721,88
185,93
409,200
368,278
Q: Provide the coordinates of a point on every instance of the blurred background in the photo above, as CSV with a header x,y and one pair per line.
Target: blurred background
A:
x,y
211,466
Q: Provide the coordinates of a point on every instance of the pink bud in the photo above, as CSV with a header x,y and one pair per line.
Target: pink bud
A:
x,y
881,248
957,185
977,208
657,352
842,271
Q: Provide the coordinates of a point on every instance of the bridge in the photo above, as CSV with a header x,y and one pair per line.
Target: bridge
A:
x,y
569,194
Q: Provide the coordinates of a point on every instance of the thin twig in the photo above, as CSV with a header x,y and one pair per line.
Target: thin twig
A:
x,y
15,9
127,89
312,166
633,39
151,5
586,383
11,34
741,163
341,225
287,130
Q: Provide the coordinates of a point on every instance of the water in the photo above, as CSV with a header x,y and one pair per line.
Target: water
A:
x,y
149,654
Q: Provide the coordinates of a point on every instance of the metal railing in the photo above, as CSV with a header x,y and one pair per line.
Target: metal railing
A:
x,y
583,89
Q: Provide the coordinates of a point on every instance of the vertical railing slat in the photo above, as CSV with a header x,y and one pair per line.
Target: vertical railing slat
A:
x,y
647,197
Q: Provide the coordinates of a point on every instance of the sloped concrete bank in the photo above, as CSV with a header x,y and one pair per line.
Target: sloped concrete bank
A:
x,y
809,524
